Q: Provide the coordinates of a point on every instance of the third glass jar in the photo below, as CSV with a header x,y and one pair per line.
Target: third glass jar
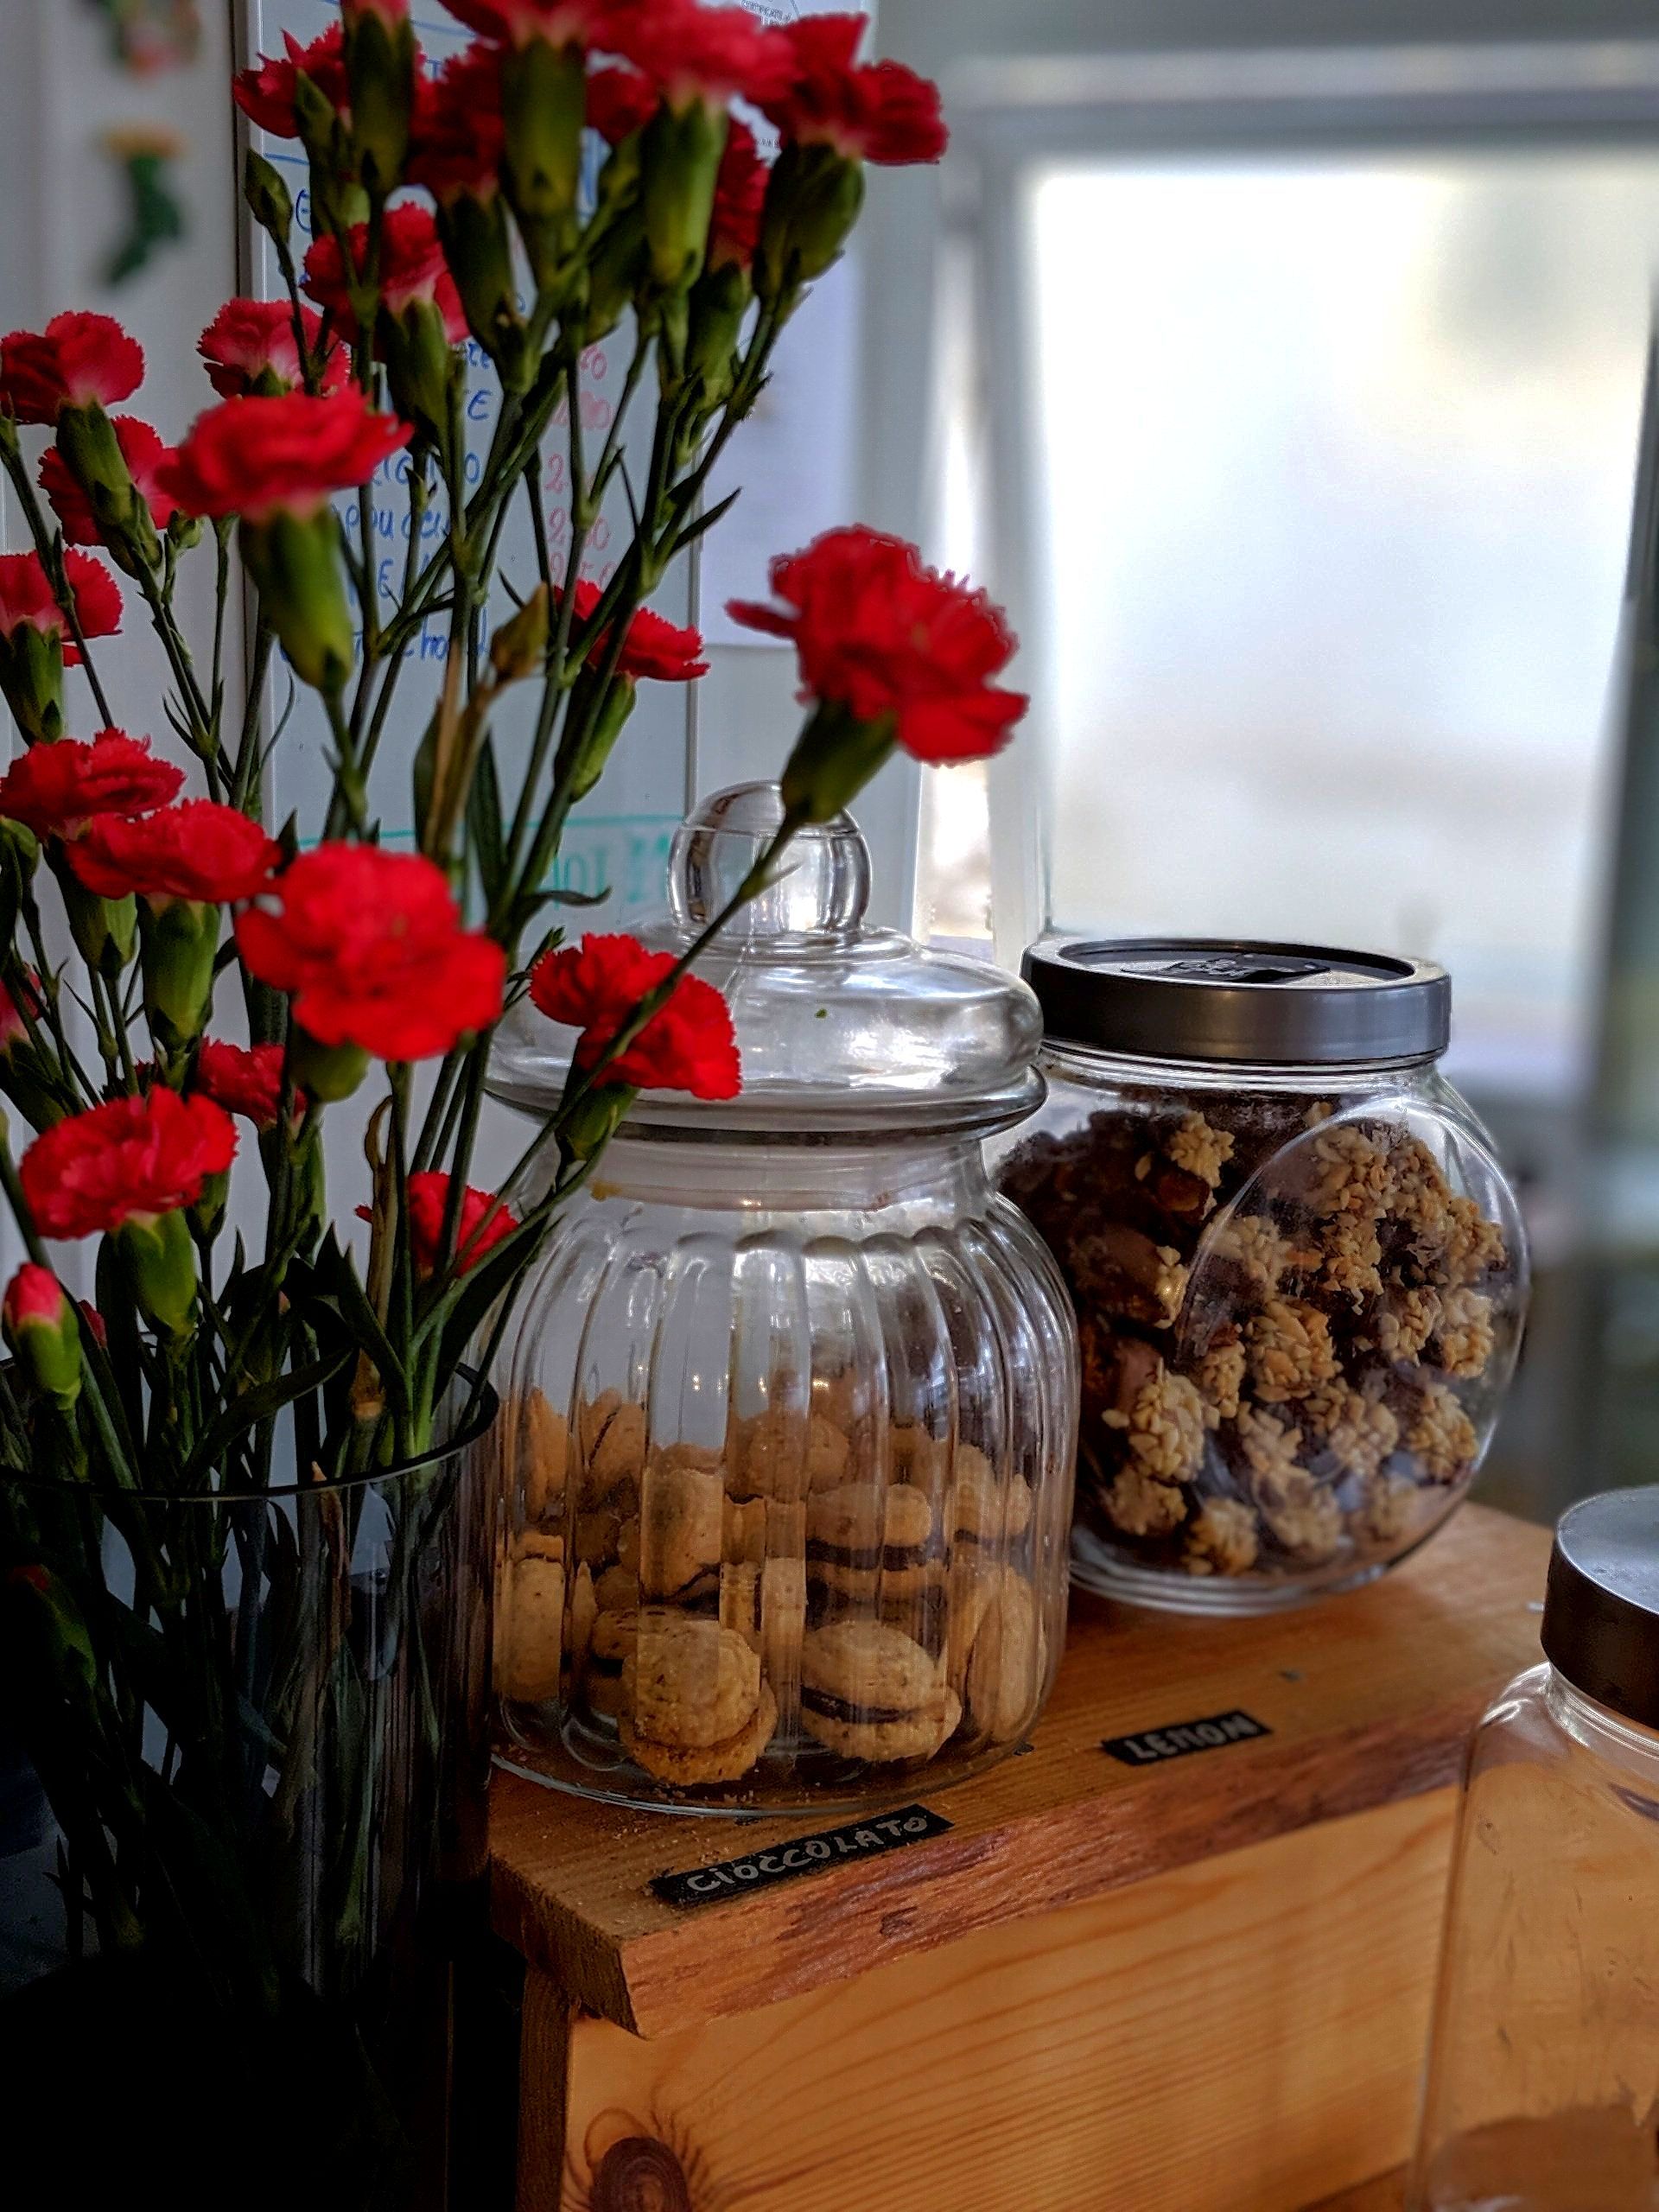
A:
x,y
1299,1271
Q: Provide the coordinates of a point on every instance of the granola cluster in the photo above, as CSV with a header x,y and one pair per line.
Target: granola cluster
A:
x,y
1294,1326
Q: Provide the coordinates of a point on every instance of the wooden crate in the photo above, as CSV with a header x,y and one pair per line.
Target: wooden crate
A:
x,y
1191,1986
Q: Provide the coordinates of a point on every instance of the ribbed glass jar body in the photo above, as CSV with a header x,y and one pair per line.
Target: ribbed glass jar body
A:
x,y
1301,1292
788,1457
1542,2089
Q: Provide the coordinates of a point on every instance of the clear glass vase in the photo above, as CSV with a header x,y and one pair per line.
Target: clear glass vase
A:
x,y
248,1850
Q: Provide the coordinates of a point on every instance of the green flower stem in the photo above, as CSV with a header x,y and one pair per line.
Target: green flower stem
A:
x,y
199,732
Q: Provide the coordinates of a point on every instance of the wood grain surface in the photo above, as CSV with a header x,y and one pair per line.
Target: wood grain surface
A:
x,y
1369,1697
1386,2194
1244,2034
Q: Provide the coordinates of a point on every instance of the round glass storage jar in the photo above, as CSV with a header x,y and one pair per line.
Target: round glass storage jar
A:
x,y
791,1408
1298,1273
1542,2087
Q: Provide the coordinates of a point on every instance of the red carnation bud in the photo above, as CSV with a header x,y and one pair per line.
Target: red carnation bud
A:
x,y
485,1220
79,360
55,789
14,1030
390,12
251,351
33,1296
146,1155
36,644
370,946
96,1323
688,1045
143,452
39,1325
893,651
243,1079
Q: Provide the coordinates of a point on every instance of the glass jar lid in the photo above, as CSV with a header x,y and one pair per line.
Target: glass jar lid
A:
x,y
1601,1605
1235,1000
842,1026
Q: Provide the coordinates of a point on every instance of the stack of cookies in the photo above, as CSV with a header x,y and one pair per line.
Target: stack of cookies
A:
x,y
817,1590
1294,1327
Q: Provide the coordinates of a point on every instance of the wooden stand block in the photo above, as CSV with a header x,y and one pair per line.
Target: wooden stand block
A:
x,y
1190,1986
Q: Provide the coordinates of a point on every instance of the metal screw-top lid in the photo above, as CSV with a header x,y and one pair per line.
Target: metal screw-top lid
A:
x,y
1234,1000
1601,1610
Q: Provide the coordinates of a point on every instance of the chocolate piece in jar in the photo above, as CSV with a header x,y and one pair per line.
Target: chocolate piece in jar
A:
x,y
1122,1275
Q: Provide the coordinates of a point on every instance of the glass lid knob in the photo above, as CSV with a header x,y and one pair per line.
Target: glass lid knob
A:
x,y
822,885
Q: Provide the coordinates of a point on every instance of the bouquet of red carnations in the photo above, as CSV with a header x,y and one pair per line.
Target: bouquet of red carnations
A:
x,y
242,1570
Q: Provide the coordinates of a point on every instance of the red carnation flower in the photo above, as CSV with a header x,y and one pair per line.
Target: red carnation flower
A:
x,y
880,635
871,111
370,945
740,200
412,268
265,94
26,597
197,850
14,1030
693,53
254,457
460,134
76,360
560,22
145,452
243,1079
688,1044
56,788
619,102
652,647
484,1221
145,1155
250,345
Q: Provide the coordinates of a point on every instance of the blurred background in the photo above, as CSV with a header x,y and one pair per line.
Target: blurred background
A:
x,y
1280,364
1286,373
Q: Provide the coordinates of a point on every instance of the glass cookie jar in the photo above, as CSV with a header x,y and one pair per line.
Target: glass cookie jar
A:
x,y
1543,2082
1298,1273
792,1408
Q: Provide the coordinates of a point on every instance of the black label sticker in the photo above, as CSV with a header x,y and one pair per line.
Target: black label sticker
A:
x,y
1184,1736
806,1854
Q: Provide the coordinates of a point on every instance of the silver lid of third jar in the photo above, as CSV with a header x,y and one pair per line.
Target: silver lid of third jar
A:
x,y
1237,1001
